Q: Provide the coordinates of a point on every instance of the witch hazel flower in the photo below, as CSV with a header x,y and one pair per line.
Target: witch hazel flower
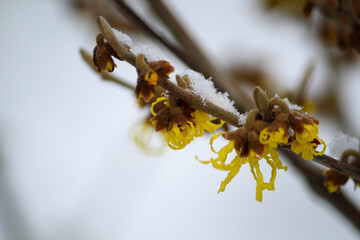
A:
x,y
271,125
179,122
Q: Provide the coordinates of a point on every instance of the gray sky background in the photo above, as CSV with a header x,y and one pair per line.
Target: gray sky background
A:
x,y
70,171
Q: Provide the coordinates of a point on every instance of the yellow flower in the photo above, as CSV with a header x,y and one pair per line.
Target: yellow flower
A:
x,y
183,128
143,136
152,78
272,138
307,141
202,122
149,75
269,154
334,180
178,136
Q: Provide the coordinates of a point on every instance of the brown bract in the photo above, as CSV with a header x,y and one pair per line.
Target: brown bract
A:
x,y
298,119
334,180
167,114
149,75
102,55
244,141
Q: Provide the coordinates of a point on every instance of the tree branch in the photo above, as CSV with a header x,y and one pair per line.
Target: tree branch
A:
x,y
210,108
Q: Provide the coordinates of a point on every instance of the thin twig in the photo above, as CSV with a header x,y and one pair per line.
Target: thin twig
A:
x,y
192,99
332,163
304,83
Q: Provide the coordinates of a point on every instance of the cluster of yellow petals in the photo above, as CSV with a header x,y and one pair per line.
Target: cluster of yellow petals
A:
x,y
272,138
332,187
304,142
253,159
152,78
180,135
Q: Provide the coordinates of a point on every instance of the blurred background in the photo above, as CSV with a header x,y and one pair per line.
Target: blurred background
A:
x,y
69,168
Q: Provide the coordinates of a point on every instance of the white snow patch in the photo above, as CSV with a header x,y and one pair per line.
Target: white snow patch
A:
x,y
242,118
206,90
341,143
149,53
123,38
290,105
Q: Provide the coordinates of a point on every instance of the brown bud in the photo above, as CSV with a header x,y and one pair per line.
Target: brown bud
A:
x,y
252,116
277,106
261,99
102,55
181,82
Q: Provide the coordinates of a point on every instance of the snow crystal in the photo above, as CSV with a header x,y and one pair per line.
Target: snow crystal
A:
x,y
290,105
123,38
242,119
341,143
149,53
206,90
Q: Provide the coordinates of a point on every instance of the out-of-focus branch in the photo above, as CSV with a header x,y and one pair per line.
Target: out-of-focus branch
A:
x,y
304,83
221,79
182,36
332,163
315,180
133,17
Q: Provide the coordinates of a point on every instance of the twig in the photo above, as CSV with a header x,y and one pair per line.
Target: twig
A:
x,y
192,99
332,163
127,11
304,83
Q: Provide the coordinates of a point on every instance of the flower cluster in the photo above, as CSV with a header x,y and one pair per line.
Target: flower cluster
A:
x,y
271,125
180,123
